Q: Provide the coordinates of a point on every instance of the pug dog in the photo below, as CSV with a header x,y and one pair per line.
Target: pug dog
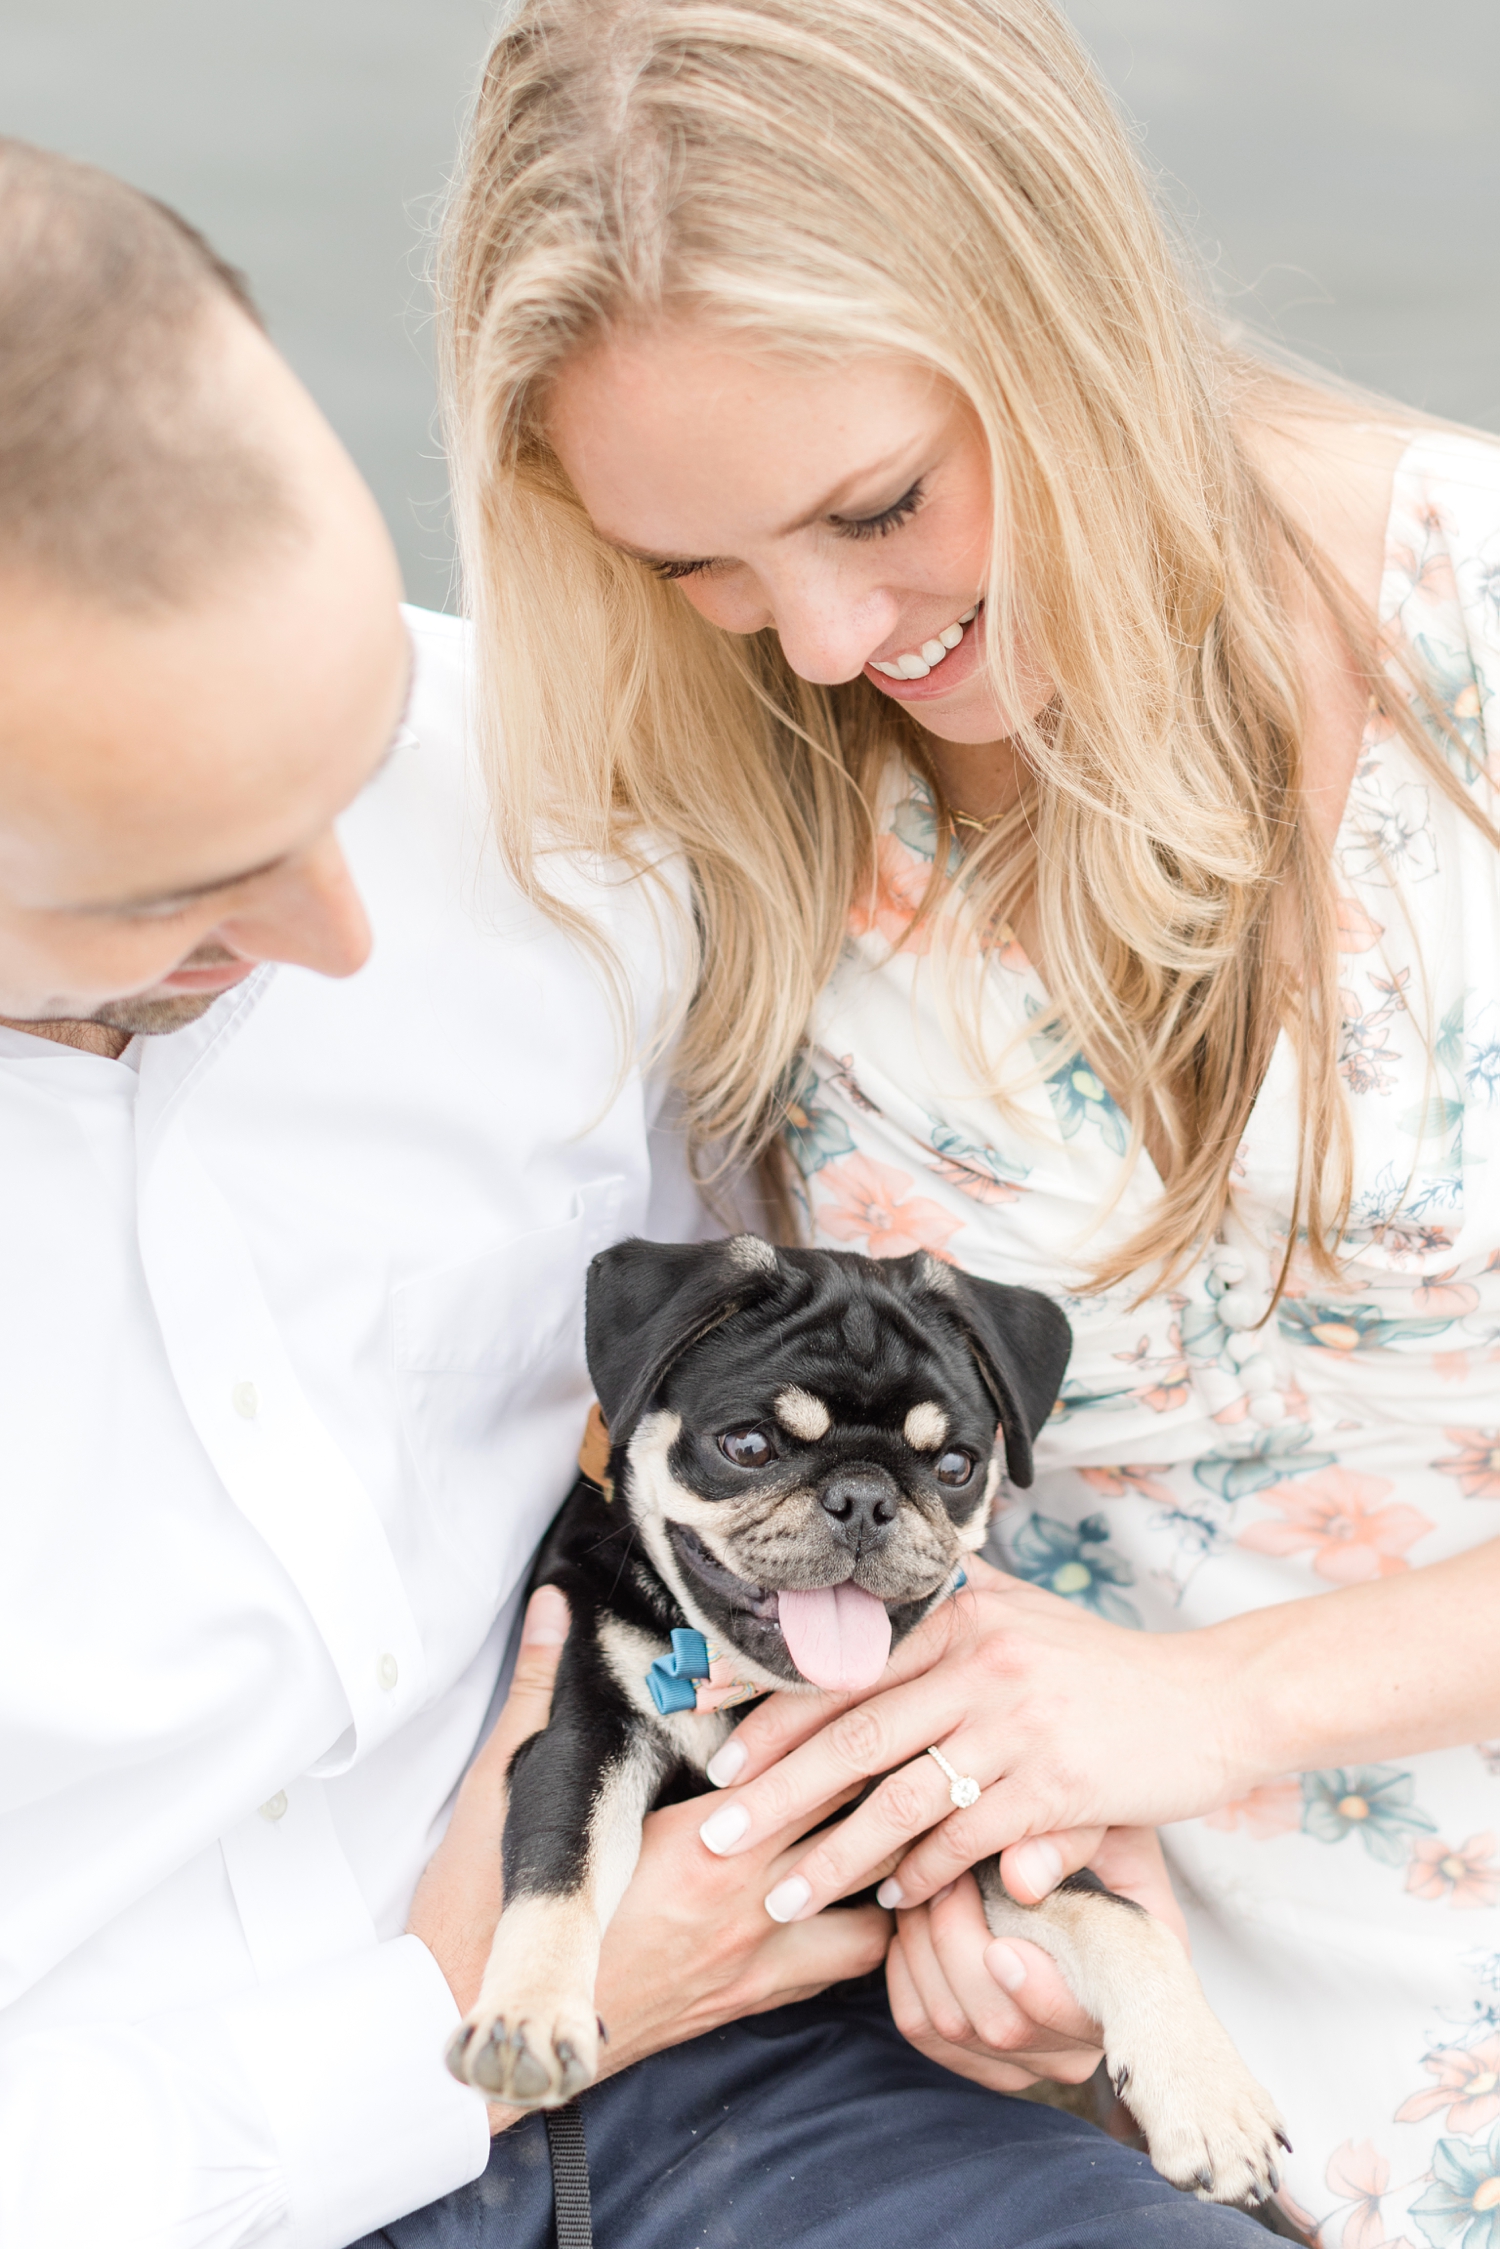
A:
x,y
803,1448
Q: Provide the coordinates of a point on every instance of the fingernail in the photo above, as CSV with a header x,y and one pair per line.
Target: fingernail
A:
x,y
546,1623
890,1893
938,1895
1038,1865
724,1828
1005,1965
726,1764
788,1898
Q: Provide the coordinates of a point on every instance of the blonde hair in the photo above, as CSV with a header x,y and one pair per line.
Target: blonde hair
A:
x,y
942,181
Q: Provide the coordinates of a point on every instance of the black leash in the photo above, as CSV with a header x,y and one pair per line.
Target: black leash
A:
x,y
570,2177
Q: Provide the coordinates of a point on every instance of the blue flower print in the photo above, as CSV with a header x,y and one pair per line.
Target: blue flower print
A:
x,y
1461,2208
1080,1098
1371,1801
1456,683
814,1135
980,1171
914,823
1279,1452
1332,1326
1075,1562
1482,1071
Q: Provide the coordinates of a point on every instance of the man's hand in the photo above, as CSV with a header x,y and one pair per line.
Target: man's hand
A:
x,y
690,1946
457,1905
998,2011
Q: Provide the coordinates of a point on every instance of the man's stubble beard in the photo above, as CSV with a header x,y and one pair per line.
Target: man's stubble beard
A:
x,y
146,1017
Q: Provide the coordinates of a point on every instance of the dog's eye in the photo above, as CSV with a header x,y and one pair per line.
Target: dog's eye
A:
x,y
747,1448
955,1468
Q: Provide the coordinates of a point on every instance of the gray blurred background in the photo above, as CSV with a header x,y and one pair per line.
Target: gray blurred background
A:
x,y
1338,161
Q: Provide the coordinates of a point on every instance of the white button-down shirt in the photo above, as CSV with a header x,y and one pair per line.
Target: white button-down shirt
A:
x,y
291,1381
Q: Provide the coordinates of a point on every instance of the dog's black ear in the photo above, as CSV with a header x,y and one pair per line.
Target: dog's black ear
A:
x,y
648,1302
1022,1342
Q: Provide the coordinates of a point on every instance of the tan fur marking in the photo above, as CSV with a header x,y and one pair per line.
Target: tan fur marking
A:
x,y
804,1415
925,1427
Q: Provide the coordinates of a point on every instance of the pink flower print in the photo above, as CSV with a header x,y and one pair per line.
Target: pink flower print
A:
x,y
1123,1483
872,1203
1358,931
1357,2173
1466,1877
1468,2087
1175,1385
1332,1515
1007,950
1442,1294
1275,1808
1476,1464
890,905
1451,1366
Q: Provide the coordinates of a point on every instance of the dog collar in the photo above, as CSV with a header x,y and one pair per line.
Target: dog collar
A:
x,y
699,1675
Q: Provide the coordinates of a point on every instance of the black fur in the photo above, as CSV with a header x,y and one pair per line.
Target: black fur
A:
x,y
714,1333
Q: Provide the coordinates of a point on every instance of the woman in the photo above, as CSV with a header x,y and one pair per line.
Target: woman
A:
x,y
1078,734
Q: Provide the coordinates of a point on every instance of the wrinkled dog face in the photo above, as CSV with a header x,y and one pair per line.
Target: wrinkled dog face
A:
x,y
812,1440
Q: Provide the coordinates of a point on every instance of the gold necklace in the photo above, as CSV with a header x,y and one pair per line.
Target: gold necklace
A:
x,y
967,820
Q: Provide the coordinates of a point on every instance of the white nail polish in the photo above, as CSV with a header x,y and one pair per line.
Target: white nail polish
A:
x,y
788,1898
724,1828
890,1893
726,1764
1039,1865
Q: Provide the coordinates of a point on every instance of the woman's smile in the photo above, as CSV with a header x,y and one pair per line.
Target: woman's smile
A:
x,y
935,666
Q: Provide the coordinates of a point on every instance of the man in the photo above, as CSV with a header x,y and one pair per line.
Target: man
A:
x,y
309,1126
292,1268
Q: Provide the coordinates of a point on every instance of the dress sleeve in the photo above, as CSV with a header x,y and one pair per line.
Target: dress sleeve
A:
x,y
301,2114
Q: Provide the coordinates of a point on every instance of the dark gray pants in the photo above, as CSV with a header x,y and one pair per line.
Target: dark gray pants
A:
x,y
819,2127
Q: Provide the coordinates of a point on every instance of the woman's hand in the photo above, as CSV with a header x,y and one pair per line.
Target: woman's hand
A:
x,y
997,2010
690,1946
1065,1721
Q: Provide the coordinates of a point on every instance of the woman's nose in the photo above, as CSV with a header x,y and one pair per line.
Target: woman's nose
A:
x,y
826,635
312,917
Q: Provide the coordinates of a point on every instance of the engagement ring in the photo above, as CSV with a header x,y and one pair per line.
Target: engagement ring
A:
x,y
962,1787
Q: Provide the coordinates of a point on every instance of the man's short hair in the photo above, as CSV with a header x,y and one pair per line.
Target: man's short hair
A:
x,y
121,476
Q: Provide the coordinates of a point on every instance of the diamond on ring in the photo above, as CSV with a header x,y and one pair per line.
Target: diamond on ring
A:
x,y
962,1787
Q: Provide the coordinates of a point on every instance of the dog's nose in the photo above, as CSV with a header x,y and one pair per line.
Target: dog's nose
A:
x,y
863,1502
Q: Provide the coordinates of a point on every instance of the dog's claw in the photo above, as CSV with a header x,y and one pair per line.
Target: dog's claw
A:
x,y
1121,2079
1284,2142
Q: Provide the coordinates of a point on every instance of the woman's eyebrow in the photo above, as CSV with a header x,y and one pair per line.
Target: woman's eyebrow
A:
x,y
828,505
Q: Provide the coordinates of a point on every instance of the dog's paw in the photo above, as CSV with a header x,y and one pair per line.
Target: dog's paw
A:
x,y
1211,2128
530,2056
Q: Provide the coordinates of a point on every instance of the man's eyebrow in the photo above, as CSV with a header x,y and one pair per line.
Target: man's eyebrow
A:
x,y
158,900
828,505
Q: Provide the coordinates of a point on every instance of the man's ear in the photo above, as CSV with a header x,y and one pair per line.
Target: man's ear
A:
x,y
648,1302
1021,1342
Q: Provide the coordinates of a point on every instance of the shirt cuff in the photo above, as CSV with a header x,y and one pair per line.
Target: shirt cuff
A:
x,y
348,2065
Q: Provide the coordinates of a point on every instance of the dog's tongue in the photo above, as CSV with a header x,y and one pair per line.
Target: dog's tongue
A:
x,y
838,1637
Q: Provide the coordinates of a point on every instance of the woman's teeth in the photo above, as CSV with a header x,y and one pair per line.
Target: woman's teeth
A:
x,y
916,663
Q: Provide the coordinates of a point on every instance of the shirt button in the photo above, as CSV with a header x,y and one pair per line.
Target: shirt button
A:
x,y
1228,1265
274,1806
1241,1308
1258,1375
388,1671
1267,1409
245,1399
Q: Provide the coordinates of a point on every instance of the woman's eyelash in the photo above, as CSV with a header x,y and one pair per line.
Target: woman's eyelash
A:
x,y
674,570
889,519
848,527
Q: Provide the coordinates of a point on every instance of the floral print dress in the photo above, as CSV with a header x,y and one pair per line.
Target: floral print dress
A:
x,y
1346,1923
